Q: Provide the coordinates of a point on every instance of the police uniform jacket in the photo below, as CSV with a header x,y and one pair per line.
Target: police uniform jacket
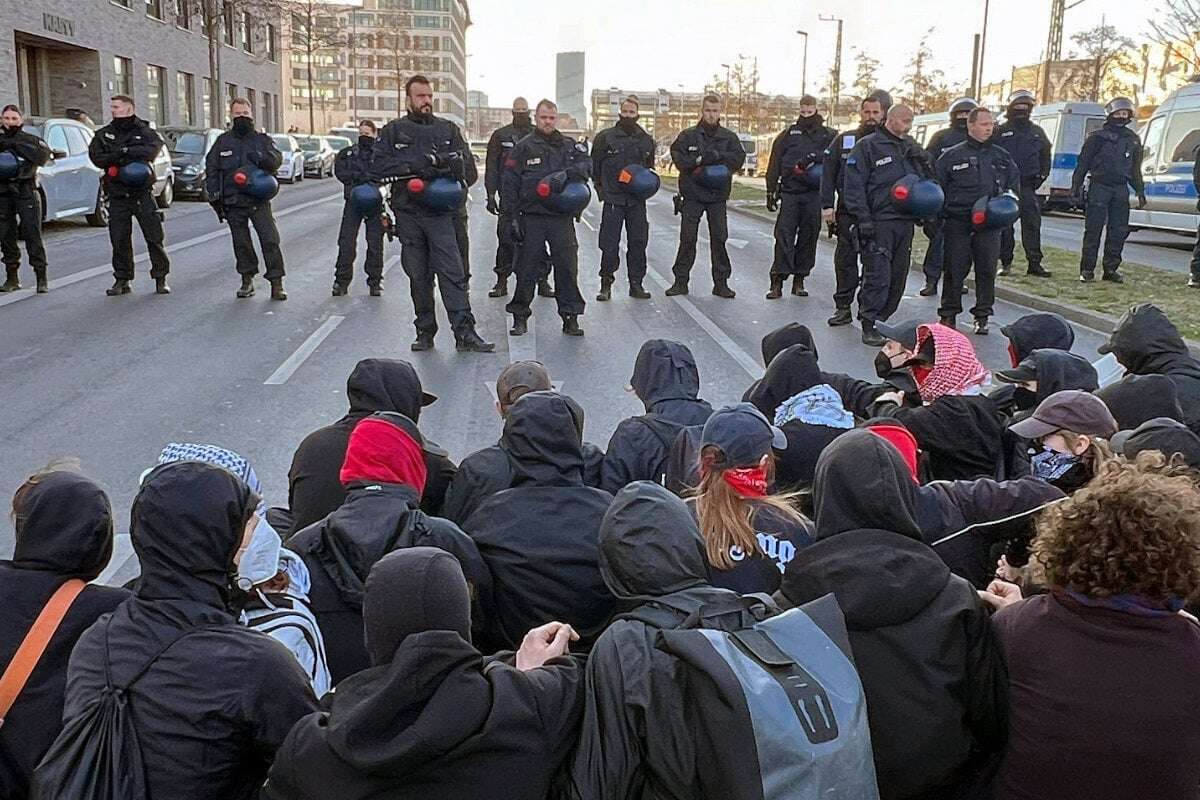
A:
x,y
944,139
230,153
353,166
971,170
708,145
533,158
31,151
613,150
425,147
116,146
1113,157
794,150
1029,147
833,176
874,166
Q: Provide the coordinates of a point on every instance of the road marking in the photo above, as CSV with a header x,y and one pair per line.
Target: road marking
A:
x,y
122,552
740,244
287,368
391,262
589,224
523,348
106,269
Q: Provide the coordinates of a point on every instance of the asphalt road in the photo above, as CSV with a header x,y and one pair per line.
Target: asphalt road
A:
x,y
111,380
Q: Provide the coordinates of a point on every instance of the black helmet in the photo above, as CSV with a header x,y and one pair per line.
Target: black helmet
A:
x,y
1119,104
1022,96
883,97
962,104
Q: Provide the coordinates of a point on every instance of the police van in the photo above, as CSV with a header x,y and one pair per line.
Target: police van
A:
x,y
1169,141
751,147
926,125
1066,125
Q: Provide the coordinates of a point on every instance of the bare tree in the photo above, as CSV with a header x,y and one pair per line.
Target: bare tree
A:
x,y
220,21
866,74
313,29
1176,27
398,47
1103,45
923,85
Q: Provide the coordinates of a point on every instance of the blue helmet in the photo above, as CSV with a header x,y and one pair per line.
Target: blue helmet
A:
x,y
367,200
573,198
10,165
255,183
438,195
638,181
135,175
992,213
713,176
810,175
918,197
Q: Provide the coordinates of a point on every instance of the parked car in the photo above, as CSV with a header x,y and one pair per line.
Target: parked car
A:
x,y
338,143
164,178
318,157
69,183
292,169
188,148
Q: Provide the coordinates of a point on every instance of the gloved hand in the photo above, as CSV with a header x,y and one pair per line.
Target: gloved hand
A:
x,y
576,173
515,233
451,162
866,232
254,157
492,208
711,157
219,208
677,201
556,181
1141,201
772,202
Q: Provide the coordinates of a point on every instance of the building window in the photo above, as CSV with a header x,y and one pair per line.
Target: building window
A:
x,y
122,76
154,8
268,120
250,95
185,87
230,93
227,24
183,14
122,3
272,49
207,101
156,97
247,32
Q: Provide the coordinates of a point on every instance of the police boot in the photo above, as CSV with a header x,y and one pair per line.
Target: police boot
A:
x,y
472,342
340,290
637,292
424,342
1087,277
1036,271
949,322
776,290
605,292
1193,282
1113,277
870,336
722,290
277,292
840,317
544,288
571,325
798,289
980,326
929,289
247,289
1004,269
43,285
12,283
520,327
377,290
500,289
677,288
160,286
120,286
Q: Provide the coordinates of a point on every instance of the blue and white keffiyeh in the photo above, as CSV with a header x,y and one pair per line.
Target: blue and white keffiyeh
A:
x,y
817,405
217,456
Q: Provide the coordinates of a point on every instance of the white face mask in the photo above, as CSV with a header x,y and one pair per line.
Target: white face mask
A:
x,y
260,559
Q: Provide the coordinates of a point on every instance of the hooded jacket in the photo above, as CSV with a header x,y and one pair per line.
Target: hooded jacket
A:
x,y
1140,398
434,719
219,698
635,742
933,676
1036,332
1054,371
63,530
376,384
667,381
962,435
1147,343
539,538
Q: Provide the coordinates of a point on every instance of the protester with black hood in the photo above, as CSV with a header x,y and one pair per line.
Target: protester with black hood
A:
x,y
1041,374
539,538
666,380
920,635
210,700
376,384
431,718
1168,436
1036,332
64,531
1145,342
1138,398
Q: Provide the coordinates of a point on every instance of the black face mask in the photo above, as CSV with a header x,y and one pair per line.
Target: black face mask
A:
x,y
366,142
1120,122
628,124
521,119
1018,114
883,365
243,125
11,129
122,123
959,123
808,123
1024,399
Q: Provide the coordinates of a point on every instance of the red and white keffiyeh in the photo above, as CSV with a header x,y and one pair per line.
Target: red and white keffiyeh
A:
x,y
956,368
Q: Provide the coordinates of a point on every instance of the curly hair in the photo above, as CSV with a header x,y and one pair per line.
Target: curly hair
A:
x,y
1134,529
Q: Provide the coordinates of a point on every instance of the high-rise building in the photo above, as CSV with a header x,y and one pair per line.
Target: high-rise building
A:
x,y
569,86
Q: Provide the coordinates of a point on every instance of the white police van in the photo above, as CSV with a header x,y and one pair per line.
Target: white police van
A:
x,y
926,125
1066,126
751,147
1169,141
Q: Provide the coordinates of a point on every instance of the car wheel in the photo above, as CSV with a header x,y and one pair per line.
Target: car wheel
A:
x,y
99,217
167,196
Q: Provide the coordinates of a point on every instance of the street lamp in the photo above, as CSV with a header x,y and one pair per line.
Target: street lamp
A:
x,y
804,65
835,82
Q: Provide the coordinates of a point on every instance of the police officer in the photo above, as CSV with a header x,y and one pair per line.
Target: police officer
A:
x,y
884,231
462,220
422,146
243,148
119,143
796,197
1030,149
939,143
545,153
1112,156
835,214
353,168
975,169
707,144
620,146
20,204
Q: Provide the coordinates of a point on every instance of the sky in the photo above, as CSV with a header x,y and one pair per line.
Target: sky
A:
x,y
651,44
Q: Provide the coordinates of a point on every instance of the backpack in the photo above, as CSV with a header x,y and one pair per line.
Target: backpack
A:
x,y
679,469
775,706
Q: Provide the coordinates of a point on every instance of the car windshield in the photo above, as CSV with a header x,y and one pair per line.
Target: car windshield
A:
x,y
36,130
337,142
749,145
184,142
308,143
284,143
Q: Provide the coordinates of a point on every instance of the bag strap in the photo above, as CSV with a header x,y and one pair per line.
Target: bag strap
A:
x,y
17,673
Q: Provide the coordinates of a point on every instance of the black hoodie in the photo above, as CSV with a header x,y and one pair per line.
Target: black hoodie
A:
x,y
218,701
1139,398
933,677
667,382
1146,343
539,538
1054,371
1035,332
376,384
64,530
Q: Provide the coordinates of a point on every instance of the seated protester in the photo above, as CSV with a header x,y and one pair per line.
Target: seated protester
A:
x,y
210,701
1041,374
1041,331
64,532
636,740
539,538
431,718
920,635
1105,653
487,471
1139,398
778,340
958,427
666,380
1146,343
749,535
1170,437
376,384
384,475
1067,432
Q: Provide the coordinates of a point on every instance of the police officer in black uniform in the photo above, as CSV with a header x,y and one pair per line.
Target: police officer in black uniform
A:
x,y
1030,149
798,200
704,145
462,220
423,146
243,147
353,168
545,153
884,231
119,143
1112,156
939,143
977,168
615,149
20,204
834,213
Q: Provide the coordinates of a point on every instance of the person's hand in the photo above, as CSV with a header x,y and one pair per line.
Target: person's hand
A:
x,y
544,643
1007,572
896,397
827,215
772,201
1000,594
514,231
254,157
1141,201
492,208
219,208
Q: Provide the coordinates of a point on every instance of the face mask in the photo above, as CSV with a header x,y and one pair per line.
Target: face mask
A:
x,y
11,129
883,364
521,119
366,142
242,125
260,560
628,123
1051,465
1019,113
750,482
122,123
1119,121
1024,399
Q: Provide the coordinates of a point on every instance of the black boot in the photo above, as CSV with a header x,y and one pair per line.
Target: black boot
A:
x,y
120,286
340,290
520,326
377,290
798,289
949,322
472,342
1193,282
776,290
545,289
870,336
840,317
424,342
980,326
160,286
637,292
277,292
722,290
929,289
1005,269
247,289
12,283
605,293
571,325
500,289
1036,271
1113,277
1087,277
43,285
677,288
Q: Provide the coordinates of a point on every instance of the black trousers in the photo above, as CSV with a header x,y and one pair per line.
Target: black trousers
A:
x,y
1107,208
558,232
797,228
463,237
1195,267
352,219
21,216
121,213
885,269
506,250
429,253
718,233
934,262
845,263
637,235
240,218
1031,229
967,248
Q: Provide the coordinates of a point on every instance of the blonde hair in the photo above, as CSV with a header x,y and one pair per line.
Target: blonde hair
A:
x,y
1097,454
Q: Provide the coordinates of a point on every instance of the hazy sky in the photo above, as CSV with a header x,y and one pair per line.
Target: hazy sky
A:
x,y
653,44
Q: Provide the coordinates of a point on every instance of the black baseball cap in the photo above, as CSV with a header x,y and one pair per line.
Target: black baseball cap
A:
x,y
743,434
520,378
1069,410
1163,434
1025,371
903,332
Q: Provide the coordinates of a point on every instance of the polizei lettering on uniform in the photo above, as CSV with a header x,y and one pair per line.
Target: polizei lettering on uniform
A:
x,y
885,160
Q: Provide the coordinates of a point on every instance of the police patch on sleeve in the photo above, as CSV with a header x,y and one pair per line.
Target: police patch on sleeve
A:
x,y
848,141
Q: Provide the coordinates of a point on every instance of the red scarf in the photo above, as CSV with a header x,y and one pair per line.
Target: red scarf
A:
x,y
749,482
380,451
